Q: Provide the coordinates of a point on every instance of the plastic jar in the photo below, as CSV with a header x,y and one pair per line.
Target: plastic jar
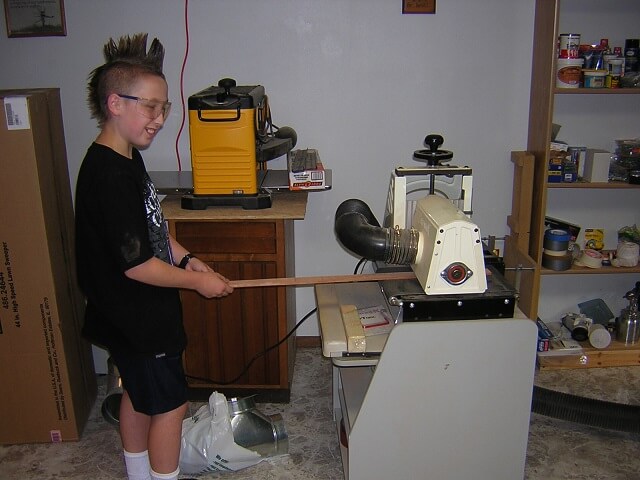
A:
x,y
568,44
616,66
594,78
568,72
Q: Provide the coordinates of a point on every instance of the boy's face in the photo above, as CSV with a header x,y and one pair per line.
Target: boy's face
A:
x,y
136,124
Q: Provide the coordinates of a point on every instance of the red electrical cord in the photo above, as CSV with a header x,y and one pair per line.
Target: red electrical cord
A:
x,y
184,64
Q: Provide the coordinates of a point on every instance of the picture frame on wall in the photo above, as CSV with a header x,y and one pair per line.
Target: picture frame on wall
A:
x,y
35,18
418,6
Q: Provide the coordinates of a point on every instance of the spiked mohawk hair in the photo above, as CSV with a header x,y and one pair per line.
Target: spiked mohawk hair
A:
x,y
126,61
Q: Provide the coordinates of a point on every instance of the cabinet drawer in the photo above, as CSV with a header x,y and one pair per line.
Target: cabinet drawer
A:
x,y
228,237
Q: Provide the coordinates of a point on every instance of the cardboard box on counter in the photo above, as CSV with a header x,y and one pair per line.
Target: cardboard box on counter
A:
x,y
312,179
596,165
46,368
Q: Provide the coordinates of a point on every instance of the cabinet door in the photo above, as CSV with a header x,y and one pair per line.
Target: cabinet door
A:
x,y
225,335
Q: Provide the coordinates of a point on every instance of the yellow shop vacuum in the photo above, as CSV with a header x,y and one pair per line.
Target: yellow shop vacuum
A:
x,y
232,137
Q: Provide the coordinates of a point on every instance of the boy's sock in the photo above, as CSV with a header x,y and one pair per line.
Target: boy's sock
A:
x,y
138,466
165,476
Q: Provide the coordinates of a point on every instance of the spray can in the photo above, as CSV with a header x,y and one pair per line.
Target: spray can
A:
x,y
631,48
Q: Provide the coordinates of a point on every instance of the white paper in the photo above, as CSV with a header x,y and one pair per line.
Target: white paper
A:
x,y
16,113
375,320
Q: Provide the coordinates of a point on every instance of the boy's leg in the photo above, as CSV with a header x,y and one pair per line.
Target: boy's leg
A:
x,y
165,435
134,426
134,432
154,384
138,467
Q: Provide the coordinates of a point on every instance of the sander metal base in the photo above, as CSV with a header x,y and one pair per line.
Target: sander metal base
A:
x,y
498,301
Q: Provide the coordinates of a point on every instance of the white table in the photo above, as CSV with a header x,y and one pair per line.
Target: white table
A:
x,y
444,400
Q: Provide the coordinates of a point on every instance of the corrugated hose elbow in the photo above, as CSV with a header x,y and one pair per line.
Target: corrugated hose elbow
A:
x,y
358,231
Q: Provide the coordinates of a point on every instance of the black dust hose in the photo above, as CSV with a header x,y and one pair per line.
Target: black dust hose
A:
x,y
359,231
586,411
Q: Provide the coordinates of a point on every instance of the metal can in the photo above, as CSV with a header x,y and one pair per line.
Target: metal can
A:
x,y
612,81
569,45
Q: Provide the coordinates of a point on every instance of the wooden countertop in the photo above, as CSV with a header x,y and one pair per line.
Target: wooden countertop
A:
x,y
285,205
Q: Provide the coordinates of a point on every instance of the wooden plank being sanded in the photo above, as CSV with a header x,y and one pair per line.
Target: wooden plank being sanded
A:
x,y
301,281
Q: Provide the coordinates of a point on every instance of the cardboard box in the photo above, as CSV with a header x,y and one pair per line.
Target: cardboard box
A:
x,y
312,179
46,369
596,165
554,173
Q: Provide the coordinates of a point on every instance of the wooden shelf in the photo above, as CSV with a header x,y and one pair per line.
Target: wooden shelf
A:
x,y
596,91
617,354
594,185
575,270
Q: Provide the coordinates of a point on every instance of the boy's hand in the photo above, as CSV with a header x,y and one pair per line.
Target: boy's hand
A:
x,y
214,285
200,277
197,265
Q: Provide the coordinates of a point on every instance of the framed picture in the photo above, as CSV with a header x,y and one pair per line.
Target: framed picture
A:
x,y
34,18
418,6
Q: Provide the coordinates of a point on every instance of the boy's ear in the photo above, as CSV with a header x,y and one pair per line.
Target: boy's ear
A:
x,y
114,104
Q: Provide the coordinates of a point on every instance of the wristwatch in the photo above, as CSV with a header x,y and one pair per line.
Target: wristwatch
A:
x,y
185,260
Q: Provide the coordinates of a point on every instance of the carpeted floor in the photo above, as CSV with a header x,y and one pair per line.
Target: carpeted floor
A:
x,y
557,449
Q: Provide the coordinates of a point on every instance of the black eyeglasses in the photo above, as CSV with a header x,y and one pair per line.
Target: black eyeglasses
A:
x,y
149,108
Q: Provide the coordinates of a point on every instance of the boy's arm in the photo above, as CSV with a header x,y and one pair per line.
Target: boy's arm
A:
x,y
156,272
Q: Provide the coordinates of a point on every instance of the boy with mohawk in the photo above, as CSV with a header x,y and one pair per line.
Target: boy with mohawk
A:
x,y
129,267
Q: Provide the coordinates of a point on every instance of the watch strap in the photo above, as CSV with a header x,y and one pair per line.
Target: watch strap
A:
x,y
185,260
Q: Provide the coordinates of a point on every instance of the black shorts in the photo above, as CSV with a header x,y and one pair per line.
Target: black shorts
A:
x,y
155,384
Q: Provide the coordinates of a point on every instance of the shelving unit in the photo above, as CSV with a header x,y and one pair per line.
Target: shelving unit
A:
x,y
590,117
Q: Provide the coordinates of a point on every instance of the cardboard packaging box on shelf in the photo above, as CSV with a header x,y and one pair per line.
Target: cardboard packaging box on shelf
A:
x,y
312,179
596,165
46,368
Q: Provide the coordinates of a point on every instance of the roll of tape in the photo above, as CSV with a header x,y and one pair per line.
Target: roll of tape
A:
x,y
599,336
555,253
557,263
556,240
590,258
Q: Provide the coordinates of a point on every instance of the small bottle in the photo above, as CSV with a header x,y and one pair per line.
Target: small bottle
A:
x,y
569,169
607,55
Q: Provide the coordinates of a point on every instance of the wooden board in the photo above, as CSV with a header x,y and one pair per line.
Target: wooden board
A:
x,y
615,355
319,280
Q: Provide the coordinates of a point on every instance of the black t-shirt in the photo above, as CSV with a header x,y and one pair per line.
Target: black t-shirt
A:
x,y
119,225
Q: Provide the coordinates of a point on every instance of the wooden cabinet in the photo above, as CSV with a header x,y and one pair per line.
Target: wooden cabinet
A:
x,y
591,117
226,335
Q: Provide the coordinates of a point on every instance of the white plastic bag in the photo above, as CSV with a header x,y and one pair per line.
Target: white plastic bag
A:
x,y
208,444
